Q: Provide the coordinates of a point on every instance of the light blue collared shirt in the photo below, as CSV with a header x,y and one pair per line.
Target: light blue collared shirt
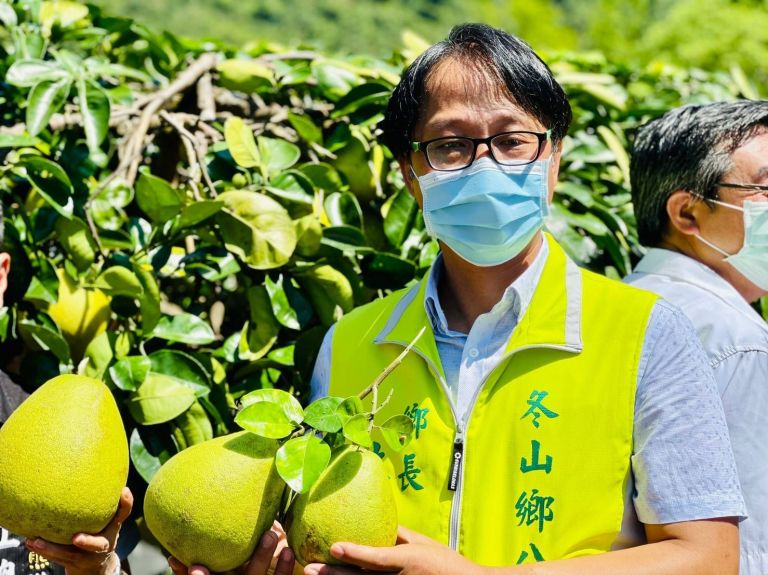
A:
x,y
735,339
682,463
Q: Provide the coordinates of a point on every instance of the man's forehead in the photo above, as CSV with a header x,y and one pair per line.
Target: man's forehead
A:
x,y
467,79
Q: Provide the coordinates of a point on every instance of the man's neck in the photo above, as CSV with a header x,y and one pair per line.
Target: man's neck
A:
x,y
467,291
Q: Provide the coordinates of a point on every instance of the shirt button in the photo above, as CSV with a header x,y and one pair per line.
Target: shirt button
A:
x,y
473,353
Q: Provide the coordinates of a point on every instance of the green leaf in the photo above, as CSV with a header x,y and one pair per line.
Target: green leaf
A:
x,y
159,399
147,459
99,354
310,235
329,291
63,12
397,431
108,203
94,106
194,425
261,331
51,182
356,430
27,73
241,143
386,271
266,419
350,407
157,198
118,280
306,128
149,303
323,414
39,292
18,140
76,239
400,215
183,368
245,76
130,372
46,338
343,209
301,461
257,229
184,328
277,155
286,401
45,99
281,307
197,213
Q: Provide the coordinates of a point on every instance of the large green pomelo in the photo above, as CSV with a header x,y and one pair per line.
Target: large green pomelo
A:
x,y
63,461
351,501
210,504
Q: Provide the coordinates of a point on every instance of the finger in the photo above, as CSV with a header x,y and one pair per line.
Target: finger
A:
x,y
405,535
262,557
198,570
285,562
107,539
62,554
177,566
372,558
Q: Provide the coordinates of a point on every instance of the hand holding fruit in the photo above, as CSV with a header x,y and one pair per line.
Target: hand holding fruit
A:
x,y
88,554
414,554
272,555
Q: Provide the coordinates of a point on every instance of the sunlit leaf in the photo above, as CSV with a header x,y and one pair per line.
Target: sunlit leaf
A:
x,y
323,414
301,461
356,430
397,431
159,399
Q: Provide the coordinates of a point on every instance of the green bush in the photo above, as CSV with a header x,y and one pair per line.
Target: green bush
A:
x,y
229,206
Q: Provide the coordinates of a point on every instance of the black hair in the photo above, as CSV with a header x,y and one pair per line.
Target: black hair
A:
x,y
528,81
688,148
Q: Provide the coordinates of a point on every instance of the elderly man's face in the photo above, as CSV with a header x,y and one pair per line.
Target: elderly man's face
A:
x,y
462,102
724,226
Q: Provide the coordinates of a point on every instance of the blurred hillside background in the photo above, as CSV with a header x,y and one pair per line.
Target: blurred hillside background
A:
x,y
711,34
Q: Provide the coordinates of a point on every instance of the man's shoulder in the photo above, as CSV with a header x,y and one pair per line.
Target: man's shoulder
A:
x,y
11,396
719,324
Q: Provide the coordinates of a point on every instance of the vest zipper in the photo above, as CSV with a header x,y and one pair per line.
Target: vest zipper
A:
x,y
459,442
459,445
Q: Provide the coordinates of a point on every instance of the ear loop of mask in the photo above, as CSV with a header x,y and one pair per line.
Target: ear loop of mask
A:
x,y
707,242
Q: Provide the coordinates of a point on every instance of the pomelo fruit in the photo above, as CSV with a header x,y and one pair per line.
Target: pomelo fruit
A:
x,y
64,461
351,501
211,503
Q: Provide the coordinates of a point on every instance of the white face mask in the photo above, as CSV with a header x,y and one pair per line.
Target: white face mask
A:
x,y
752,259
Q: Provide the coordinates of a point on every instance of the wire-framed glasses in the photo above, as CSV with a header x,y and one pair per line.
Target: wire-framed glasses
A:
x,y
755,189
515,148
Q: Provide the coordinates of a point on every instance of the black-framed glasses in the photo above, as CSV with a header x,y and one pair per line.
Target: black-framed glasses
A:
x,y
515,148
755,188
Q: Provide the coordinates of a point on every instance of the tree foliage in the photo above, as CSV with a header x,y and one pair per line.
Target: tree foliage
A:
x,y
215,210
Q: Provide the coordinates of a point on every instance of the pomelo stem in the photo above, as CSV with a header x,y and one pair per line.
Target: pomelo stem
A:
x,y
391,367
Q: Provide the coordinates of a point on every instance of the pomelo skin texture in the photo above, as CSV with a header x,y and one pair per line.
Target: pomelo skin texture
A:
x,y
211,503
351,501
63,461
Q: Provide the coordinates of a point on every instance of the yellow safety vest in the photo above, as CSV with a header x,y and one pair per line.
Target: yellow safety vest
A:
x,y
539,468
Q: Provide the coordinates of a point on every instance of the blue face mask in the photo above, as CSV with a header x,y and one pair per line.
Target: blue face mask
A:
x,y
487,213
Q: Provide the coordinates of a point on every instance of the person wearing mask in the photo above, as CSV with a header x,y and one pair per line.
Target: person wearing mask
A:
x,y
699,179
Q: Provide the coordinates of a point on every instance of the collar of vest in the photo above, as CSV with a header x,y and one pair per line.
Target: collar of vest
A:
x,y
552,320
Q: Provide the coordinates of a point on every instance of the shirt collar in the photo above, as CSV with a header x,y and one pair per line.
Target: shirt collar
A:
x,y
516,297
689,270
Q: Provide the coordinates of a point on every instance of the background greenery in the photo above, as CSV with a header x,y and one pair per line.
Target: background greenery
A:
x,y
223,206
712,34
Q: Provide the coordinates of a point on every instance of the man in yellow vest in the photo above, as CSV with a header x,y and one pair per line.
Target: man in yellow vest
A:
x,y
559,415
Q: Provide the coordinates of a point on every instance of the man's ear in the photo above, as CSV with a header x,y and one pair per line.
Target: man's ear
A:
x,y
405,170
682,209
5,267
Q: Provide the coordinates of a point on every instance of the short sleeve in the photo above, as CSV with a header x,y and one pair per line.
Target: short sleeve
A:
x,y
682,461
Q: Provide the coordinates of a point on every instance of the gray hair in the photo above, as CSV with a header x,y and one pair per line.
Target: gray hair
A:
x,y
688,148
